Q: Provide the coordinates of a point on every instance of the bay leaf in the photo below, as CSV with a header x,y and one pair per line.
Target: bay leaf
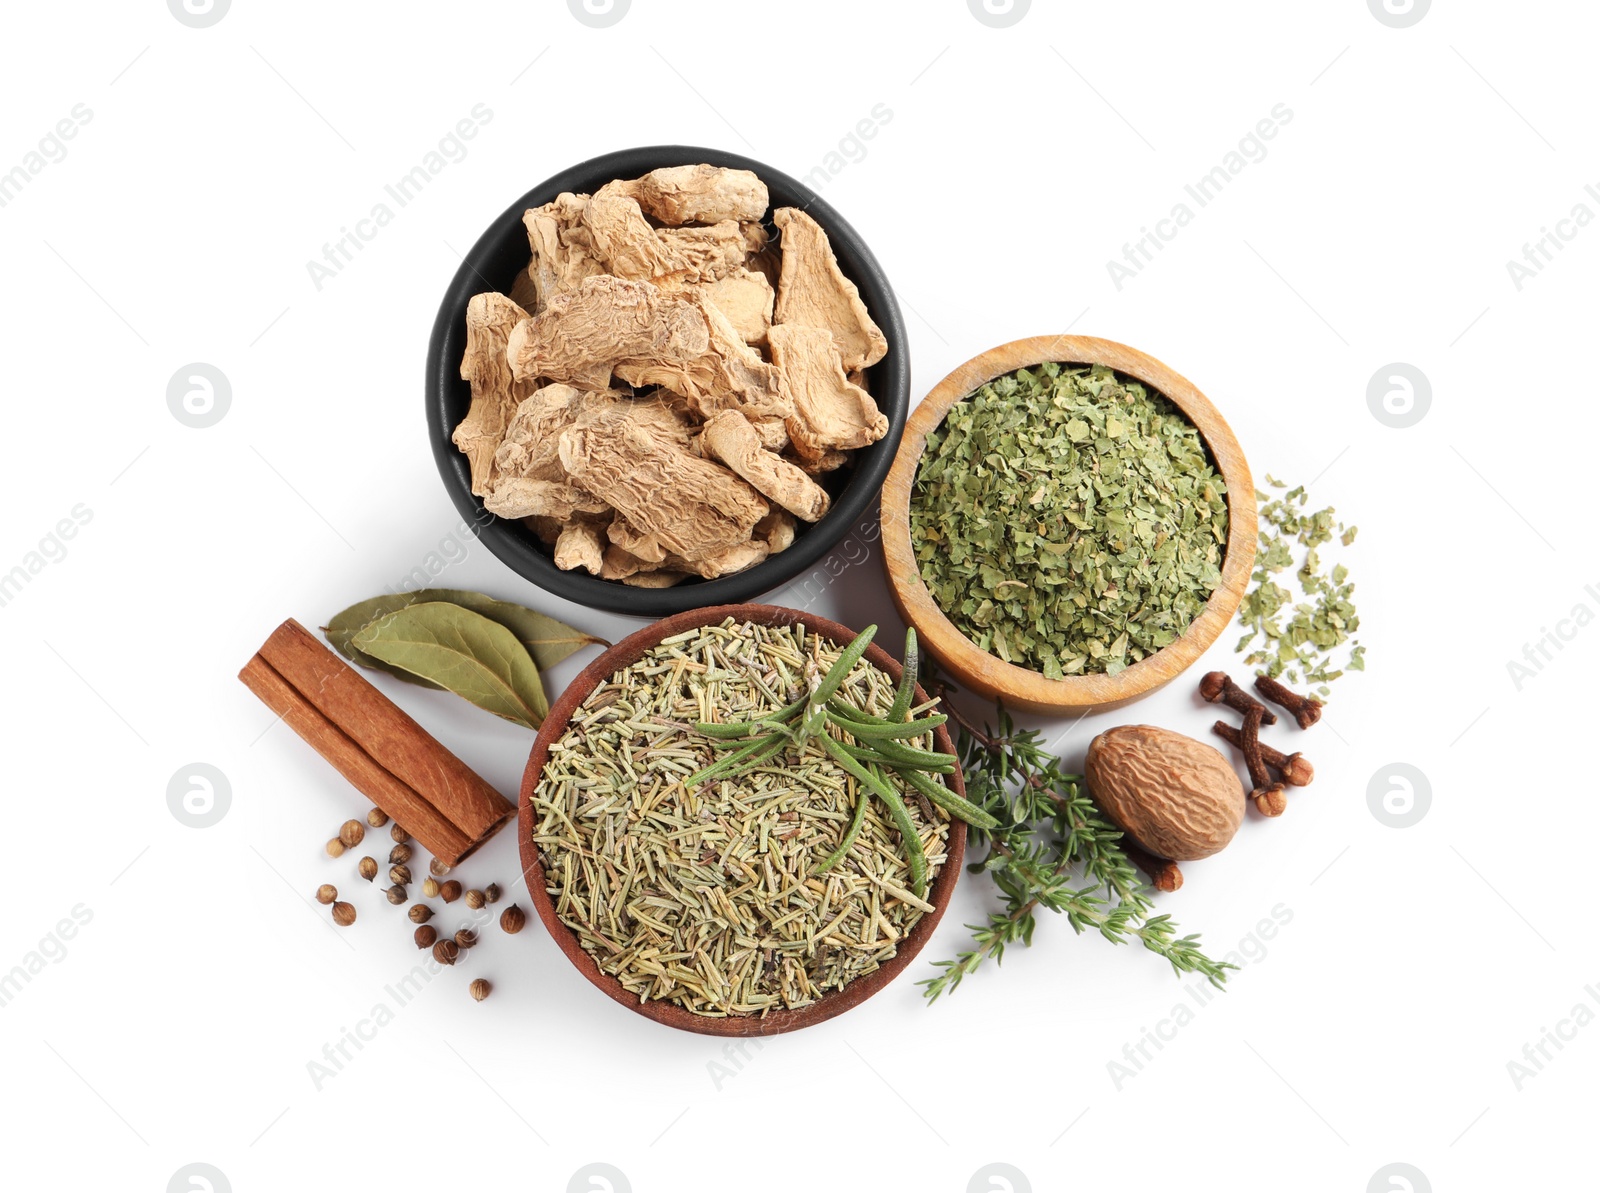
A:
x,y
547,640
463,652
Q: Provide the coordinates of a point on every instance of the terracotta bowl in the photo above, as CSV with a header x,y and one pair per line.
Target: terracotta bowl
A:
x,y
629,651
1019,687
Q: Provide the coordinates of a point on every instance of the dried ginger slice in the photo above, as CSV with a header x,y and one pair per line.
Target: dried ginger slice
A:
x,y
729,437
701,194
693,507
630,248
563,253
813,291
830,414
648,337
746,298
495,391
776,530
582,544
529,445
517,497
654,579
637,543
621,564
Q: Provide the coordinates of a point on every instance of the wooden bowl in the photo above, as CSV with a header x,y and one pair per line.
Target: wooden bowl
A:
x,y
629,651
1018,687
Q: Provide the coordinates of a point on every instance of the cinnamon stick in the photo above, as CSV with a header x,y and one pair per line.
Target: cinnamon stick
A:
x,y
392,760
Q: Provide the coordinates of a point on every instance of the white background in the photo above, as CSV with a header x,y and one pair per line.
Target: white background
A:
x,y
1376,1027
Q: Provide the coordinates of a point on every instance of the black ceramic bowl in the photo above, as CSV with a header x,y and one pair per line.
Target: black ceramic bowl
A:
x,y
494,261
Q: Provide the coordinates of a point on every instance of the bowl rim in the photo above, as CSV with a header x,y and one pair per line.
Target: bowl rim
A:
x,y
1020,686
628,651
889,381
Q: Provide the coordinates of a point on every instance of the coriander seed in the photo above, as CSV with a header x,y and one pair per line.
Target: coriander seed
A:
x,y
398,834
450,891
327,893
491,893
512,920
425,936
480,988
343,914
475,899
466,937
335,847
396,895
430,887
400,875
367,867
399,854
351,833
446,951
377,818
420,913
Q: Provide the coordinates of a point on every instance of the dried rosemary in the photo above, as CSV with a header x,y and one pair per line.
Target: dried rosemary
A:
x,y
719,894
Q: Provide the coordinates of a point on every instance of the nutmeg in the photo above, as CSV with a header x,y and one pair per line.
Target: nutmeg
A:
x,y
512,920
1177,797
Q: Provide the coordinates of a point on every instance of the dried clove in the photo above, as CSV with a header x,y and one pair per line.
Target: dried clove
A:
x,y
1163,875
1217,686
1306,710
1296,769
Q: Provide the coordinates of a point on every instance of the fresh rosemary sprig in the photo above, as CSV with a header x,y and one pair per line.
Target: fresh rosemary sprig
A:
x,y
1051,849
877,745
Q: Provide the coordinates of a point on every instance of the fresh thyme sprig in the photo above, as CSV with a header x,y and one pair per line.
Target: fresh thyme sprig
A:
x,y
1051,849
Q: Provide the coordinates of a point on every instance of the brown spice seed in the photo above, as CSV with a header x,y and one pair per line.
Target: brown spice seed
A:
x,y
399,854
445,952
491,893
400,875
512,920
396,895
377,818
351,832
480,988
425,936
335,847
430,887
327,893
367,867
475,899
450,891
466,938
343,914
420,913
398,834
